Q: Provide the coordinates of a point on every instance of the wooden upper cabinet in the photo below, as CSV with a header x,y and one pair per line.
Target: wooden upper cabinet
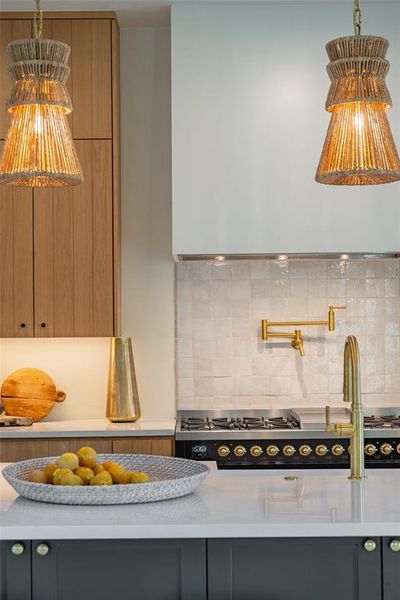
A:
x,y
89,82
74,250
60,247
10,30
16,262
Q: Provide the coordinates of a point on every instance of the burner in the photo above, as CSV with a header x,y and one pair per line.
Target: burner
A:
x,y
222,423
281,423
194,424
383,422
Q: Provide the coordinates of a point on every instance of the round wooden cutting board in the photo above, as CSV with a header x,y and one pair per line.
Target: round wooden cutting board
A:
x,y
29,393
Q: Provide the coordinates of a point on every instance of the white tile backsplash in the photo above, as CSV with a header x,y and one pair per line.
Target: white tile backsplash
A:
x,y
222,362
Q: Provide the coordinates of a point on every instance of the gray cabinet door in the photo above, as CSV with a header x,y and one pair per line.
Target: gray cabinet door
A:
x,y
15,571
391,570
293,569
120,570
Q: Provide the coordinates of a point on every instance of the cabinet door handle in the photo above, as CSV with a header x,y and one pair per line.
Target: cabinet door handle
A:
x,y
17,549
370,545
22,325
42,549
395,545
43,325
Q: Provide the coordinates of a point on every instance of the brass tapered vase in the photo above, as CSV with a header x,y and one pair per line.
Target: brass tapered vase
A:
x,y
122,395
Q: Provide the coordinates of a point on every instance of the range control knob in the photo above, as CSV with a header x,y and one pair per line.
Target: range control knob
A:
x,y
398,448
321,450
223,451
289,450
386,449
239,451
256,451
272,450
338,450
305,450
370,449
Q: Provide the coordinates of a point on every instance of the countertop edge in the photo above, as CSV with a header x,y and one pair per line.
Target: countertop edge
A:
x,y
200,531
78,429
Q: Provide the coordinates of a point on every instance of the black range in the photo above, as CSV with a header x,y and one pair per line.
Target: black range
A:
x,y
281,439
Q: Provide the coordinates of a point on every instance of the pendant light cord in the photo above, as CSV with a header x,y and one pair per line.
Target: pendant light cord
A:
x,y
357,18
38,21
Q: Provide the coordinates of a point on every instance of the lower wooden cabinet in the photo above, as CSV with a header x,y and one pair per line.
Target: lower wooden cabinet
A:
x,y
12,450
293,569
220,569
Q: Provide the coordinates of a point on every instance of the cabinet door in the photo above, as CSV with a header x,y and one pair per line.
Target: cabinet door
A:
x,y
126,569
391,569
16,262
89,83
162,446
10,29
73,233
15,571
293,569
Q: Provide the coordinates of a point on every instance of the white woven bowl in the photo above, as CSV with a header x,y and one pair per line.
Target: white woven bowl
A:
x,y
169,478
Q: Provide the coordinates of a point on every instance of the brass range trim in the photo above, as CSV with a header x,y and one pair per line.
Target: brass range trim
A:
x,y
296,337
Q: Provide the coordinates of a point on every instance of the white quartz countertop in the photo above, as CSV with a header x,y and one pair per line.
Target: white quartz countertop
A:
x,y
228,504
90,427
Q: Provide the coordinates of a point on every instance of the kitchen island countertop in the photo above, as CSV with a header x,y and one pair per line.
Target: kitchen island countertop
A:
x,y
91,427
228,504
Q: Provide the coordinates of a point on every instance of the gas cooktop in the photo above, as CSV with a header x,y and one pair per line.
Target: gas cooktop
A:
x,y
278,423
237,423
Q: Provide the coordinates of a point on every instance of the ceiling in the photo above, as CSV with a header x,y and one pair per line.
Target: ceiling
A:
x,y
139,12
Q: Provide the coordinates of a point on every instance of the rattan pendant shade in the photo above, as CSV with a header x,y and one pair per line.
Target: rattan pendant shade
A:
x,y
39,150
359,147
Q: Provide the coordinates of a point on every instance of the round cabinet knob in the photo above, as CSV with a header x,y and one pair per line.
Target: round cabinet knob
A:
x,y
289,450
22,325
272,450
369,545
321,450
395,545
370,449
256,451
386,449
305,450
42,549
17,549
338,450
223,451
239,451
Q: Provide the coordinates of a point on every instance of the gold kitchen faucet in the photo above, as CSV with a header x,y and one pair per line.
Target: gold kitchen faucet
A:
x,y
296,337
352,393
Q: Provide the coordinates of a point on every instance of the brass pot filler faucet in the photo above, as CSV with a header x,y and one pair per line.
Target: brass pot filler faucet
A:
x,y
296,338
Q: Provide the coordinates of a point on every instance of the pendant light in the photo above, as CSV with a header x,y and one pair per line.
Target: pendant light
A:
x,y
359,148
39,150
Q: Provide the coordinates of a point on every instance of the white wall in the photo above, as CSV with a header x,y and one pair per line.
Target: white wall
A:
x,y
148,268
248,123
79,366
